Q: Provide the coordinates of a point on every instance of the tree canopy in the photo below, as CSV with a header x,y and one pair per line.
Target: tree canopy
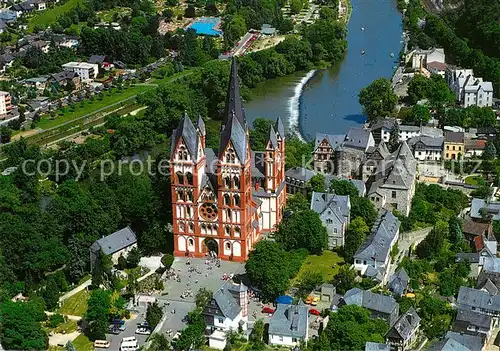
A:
x,y
378,99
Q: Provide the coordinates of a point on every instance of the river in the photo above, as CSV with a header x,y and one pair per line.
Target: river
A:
x,y
326,101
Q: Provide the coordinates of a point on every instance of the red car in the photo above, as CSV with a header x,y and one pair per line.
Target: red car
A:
x,y
268,310
314,312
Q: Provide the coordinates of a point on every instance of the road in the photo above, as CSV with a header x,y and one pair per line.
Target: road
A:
x,y
76,290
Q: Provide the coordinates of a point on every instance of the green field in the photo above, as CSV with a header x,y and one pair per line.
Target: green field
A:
x,y
472,180
82,343
110,97
75,305
328,264
47,17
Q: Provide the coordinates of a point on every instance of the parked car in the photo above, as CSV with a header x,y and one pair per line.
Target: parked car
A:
x,y
314,312
143,331
113,329
268,309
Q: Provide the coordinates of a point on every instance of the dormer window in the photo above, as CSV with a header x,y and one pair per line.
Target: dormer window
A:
x,y
230,156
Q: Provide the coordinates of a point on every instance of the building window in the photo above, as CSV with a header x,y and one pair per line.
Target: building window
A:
x,y
335,230
236,200
228,229
190,242
236,182
221,321
329,221
226,200
453,147
281,338
447,155
447,147
189,178
228,246
294,339
459,148
393,194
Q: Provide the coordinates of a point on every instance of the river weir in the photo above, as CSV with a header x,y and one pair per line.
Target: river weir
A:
x,y
326,100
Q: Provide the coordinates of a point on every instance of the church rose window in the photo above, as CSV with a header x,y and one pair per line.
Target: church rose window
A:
x,y
208,211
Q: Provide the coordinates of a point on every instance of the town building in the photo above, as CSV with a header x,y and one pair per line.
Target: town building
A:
x,y
289,325
474,148
438,68
373,257
352,153
226,311
38,83
382,129
380,306
480,208
407,132
375,346
115,245
420,58
398,283
469,90
458,342
374,159
392,184
426,148
224,199
324,151
473,323
334,212
480,301
404,332
296,180
84,70
453,145
64,78
5,102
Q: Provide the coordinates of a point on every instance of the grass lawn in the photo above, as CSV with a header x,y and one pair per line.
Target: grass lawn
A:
x,y
472,180
111,96
47,17
67,327
107,15
327,264
76,305
82,343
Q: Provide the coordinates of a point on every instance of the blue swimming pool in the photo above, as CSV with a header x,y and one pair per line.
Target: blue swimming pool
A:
x,y
207,26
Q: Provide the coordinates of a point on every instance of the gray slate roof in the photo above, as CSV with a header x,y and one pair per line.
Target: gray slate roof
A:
x,y
405,325
299,173
227,303
289,320
426,141
280,129
454,137
477,298
258,164
115,242
97,59
387,123
375,346
334,140
187,132
469,341
491,264
377,245
492,207
336,204
201,125
357,138
272,138
474,318
398,283
370,300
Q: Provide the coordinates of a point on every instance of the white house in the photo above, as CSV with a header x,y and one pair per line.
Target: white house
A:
x,y
289,325
117,244
469,90
373,257
427,148
5,102
83,69
420,58
228,310
334,212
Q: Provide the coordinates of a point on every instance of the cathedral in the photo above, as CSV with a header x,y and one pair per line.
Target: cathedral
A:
x,y
224,199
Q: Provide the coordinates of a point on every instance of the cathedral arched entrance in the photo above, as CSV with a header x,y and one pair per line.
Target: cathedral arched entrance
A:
x,y
211,247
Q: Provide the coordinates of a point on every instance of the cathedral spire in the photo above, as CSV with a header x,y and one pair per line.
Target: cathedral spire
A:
x,y
234,104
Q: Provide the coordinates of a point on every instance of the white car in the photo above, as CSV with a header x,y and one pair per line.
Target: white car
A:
x,y
143,331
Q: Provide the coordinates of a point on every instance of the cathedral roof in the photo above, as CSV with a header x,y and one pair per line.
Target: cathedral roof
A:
x,y
280,129
187,131
234,103
272,138
201,125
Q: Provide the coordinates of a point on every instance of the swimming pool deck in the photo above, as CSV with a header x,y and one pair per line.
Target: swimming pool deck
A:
x,y
206,26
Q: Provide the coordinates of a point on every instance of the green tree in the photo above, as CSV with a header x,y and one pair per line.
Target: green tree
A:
x,y
234,28
158,342
378,99
296,6
362,207
69,346
154,314
203,297
351,327
317,183
418,88
298,153
344,187
419,115
345,279
393,143
303,230
297,202
434,241
133,257
355,236
257,333
259,135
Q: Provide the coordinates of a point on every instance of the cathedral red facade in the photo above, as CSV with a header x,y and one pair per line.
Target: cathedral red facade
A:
x,y
224,199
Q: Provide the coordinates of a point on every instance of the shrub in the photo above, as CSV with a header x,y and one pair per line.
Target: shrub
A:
x,y
55,320
167,260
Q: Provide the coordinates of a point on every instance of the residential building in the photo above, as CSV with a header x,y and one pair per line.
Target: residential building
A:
x,y
458,342
324,151
474,148
84,70
5,102
436,67
454,146
97,59
223,199
21,9
479,301
373,257
398,282
380,306
296,180
115,245
334,212
382,129
404,332
352,153
392,185
475,259
374,159
480,234
491,209
38,5
426,148
64,78
38,83
469,90
407,132
473,323
227,310
42,45
375,346
420,57
289,325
